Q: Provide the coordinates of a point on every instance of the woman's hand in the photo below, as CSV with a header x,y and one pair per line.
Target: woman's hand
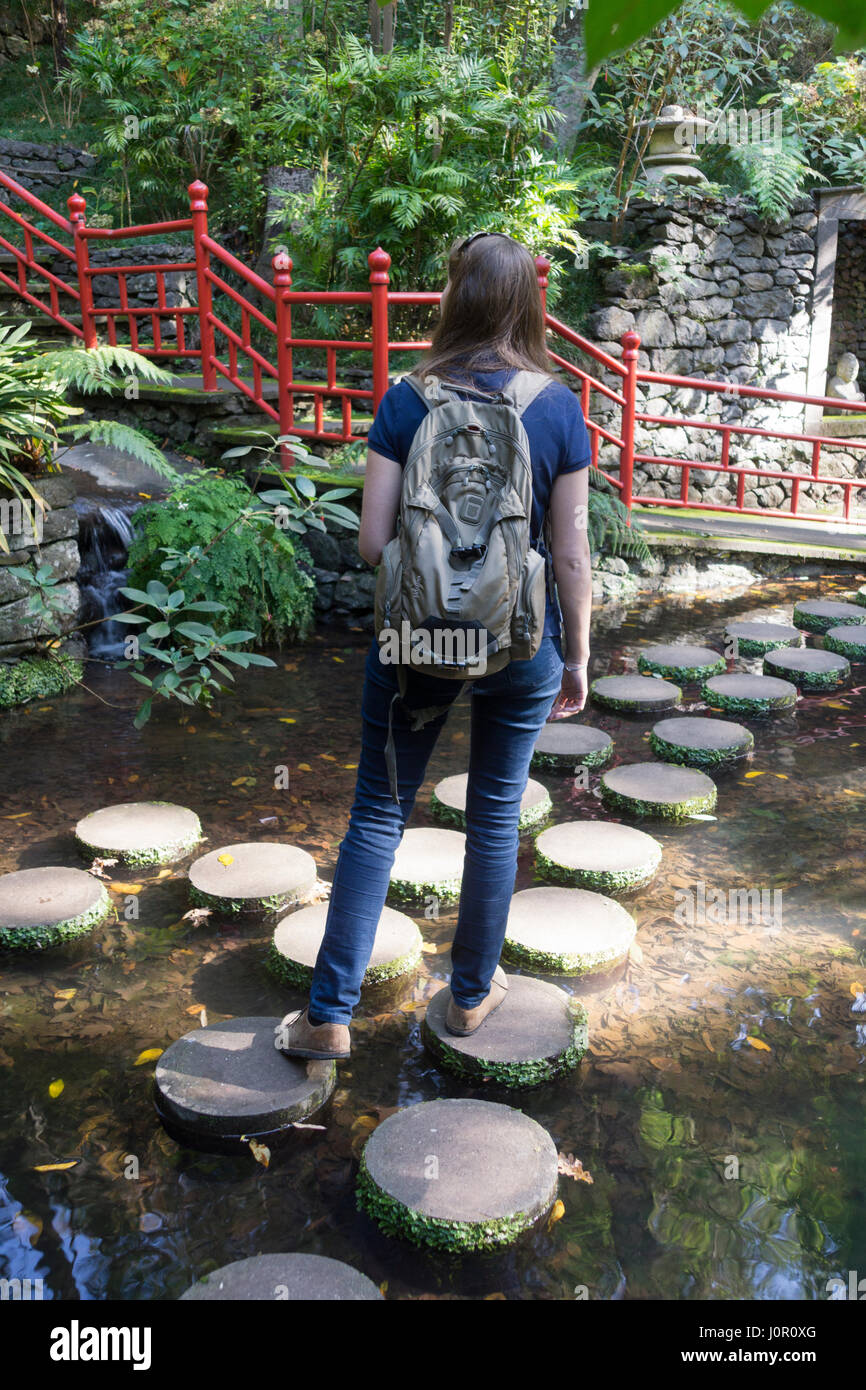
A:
x,y
572,695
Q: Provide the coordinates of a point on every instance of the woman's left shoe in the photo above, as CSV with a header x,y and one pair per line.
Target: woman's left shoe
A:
x,y
463,1022
298,1037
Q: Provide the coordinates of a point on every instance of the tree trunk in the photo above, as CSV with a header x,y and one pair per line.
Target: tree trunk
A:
x,y
449,24
571,83
389,25
375,25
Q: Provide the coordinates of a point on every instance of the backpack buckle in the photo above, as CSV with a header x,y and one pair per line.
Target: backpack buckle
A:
x,y
464,551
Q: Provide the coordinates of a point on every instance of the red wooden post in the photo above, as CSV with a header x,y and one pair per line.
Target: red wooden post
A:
x,y
282,265
198,210
77,205
542,266
379,262
630,345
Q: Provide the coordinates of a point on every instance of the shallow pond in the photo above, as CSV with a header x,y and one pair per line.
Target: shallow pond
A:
x,y
719,1112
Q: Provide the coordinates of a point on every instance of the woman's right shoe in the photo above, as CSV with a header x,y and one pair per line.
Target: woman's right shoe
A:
x,y
463,1022
298,1037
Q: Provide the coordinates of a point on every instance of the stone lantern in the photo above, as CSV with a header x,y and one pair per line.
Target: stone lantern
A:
x,y
672,152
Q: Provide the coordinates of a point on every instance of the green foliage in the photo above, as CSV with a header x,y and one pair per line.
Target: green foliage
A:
x,y
774,174
38,678
211,532
608,523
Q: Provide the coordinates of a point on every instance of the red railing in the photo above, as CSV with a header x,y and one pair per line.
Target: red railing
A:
x,y
228,351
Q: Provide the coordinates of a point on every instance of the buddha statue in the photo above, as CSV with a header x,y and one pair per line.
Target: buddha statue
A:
x,y
843,386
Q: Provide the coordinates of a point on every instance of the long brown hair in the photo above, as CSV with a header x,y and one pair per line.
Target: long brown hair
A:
x,y
492,315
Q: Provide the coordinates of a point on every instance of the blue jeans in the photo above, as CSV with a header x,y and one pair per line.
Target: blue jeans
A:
x,y
509,709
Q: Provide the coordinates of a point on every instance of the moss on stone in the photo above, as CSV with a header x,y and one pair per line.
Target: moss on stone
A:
x,y
860,596
689,675
557,963
854,651
751,646
43,938
532,815
145,858
294,973
697,757
571,762
818,622
614,702
513,1075
458,1237
38,678
274,903
737,704
662,810
597,880
406,891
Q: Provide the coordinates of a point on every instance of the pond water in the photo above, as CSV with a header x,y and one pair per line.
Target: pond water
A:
x,y
721,1167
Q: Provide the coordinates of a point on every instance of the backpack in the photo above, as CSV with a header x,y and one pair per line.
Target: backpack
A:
x,y
460,590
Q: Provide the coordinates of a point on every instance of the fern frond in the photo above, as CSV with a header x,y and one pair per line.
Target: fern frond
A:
x,y
125,438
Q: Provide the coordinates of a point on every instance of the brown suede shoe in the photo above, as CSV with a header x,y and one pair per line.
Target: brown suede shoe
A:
x,y
462,1022
298,1037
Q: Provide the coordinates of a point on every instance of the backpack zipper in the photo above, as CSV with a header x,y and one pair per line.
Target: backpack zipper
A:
x,y
442,434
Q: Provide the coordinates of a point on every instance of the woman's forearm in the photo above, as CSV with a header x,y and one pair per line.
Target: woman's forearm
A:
x,y
574,587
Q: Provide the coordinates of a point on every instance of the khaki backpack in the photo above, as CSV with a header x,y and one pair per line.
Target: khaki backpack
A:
x,y
460,590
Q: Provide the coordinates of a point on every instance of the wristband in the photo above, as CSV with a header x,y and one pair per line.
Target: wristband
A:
x,y
577,666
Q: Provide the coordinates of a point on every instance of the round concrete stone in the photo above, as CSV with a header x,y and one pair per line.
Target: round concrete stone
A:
x,y
228,1080
396,947
736,694
284,1278
658,789
458,1175
537,1033
140,833
40,908
635,694
566,931
448,802
681,662
754,639
565,745
428,863
848,640
700,742
817,615
257,877
808,668
598,855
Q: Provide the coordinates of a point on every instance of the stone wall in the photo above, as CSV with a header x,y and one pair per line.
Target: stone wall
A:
x,y
20,631
47,171
14,30
714,292
848,332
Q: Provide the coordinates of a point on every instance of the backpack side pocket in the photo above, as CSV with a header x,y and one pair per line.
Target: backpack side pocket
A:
x,y
527,624
386,604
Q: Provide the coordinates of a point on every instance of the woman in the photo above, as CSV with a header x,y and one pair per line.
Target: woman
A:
x,y
491,325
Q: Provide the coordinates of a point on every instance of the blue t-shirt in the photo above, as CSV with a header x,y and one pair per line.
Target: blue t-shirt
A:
x,y
555,428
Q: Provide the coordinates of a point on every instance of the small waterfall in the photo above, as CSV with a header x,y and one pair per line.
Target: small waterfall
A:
x,y
104,536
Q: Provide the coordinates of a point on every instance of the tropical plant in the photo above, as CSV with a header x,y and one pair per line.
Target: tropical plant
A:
x,y
611,528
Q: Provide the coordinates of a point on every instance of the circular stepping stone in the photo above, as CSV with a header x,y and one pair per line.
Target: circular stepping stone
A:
x,y
808,668
736,694
537,1033
258,877
860,596
458,1175
396,947
448,802
566,931
564,745
597,854
428,863
848,640
635,694
283,1278
658,789
140,833
755,639
700,742
228,1081
817,615
681,662
40,908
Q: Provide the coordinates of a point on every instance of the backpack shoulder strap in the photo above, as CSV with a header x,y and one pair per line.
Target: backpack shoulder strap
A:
x,y
419,388
524,387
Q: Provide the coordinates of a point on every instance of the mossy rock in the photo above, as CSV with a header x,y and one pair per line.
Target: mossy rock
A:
x,y
460,1176
448,802
860,596
700,742
293,952
817,615
809,669
567,931
44,908
681,662
597,855
749,695
660,790
564,745
537,1034
758,638
38,678
848,640
428,864
140,833
262,876
635,694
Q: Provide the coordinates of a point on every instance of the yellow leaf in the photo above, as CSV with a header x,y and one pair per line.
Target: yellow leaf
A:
x,y
754,774
759,1044
65,993
287,721
849,792
330,757
194,1009
225,859
350,767
857,988
19,815
55,1089
164,873
338,658
557,1213
56,1167
834,704
304,767
782,776
149,1054
239,781
708,1042
133,777
260,1152
126,887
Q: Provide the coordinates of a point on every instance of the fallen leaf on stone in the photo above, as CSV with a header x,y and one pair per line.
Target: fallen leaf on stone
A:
x,y
65,993
572,1167
225,859
557,1212
55,1089
56,1167
149,1054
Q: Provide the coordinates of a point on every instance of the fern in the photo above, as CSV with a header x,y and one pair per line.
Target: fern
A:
x,y
775,174
90,370
608,525
125,438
